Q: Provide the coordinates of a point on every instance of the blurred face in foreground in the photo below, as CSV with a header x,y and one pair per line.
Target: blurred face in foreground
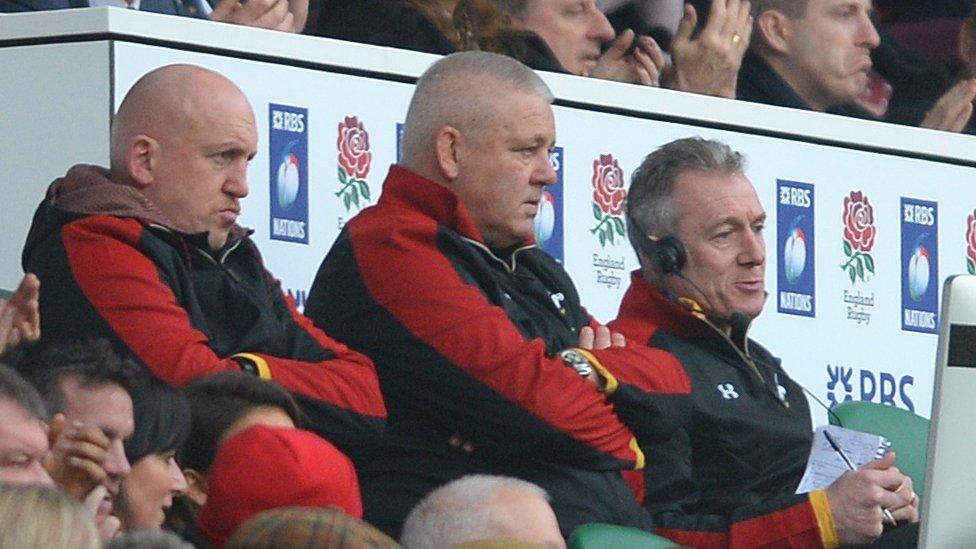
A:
x,y
23,445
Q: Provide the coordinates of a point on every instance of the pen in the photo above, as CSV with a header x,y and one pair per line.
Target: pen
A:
x,y
833,444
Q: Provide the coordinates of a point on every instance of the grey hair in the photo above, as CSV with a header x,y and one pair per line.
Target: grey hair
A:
x,y
650,199
794,9
461,90
17,389
459,512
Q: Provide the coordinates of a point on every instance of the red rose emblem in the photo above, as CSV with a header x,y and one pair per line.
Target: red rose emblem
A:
x,y
608,185
353,145
971,236
859,228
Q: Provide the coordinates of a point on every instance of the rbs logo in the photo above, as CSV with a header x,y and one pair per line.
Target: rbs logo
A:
x,y
288,177
919,266
845,384
919,215
288,121
795,234
793,196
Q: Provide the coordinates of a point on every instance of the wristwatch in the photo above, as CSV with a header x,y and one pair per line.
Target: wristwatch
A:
x,y
575,360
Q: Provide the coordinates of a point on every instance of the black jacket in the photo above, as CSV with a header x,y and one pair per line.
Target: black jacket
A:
x,y
464,339
728,479
112,267
759,83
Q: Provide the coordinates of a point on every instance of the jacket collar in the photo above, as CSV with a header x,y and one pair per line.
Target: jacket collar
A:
x,y
408,190
88,189
758,82
645,304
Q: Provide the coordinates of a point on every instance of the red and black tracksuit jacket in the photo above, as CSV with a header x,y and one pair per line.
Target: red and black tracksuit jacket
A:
x,y
181,310
728,478
465,341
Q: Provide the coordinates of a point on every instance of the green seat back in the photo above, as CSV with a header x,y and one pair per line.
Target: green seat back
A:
x,y
908,433
610,536
5,294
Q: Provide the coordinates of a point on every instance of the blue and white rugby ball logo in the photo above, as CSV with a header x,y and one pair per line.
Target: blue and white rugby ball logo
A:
x,y
795,252
545,218
288,180
919,270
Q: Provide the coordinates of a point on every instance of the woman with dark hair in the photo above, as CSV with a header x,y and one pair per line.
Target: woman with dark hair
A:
x,y
220,406
162,424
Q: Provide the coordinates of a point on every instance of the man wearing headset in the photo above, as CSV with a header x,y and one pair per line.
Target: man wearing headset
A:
x,y
728,478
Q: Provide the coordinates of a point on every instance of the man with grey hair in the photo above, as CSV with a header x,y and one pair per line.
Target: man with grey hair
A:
x,y
471,325
481,508
23,431
728,478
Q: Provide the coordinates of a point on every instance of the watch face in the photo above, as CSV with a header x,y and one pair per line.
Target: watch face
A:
x,y
578,362
584,370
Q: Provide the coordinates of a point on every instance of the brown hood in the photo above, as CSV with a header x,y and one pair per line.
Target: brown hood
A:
x,y
87,189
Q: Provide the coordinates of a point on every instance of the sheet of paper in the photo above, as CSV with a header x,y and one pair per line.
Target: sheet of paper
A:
x,y
825,465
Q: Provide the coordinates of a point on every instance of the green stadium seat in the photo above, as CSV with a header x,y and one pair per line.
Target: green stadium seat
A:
x,y
908,433
610,536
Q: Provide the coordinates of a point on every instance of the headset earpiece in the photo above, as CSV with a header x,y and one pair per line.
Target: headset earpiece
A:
x,y
667,255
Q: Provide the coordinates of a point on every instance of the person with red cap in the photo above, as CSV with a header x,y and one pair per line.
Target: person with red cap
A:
x,y
264,468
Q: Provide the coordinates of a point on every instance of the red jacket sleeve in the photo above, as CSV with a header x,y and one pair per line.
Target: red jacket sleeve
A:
x,y
449,346
124,287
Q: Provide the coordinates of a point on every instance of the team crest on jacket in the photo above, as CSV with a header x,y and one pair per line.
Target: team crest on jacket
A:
x,y
608,200
355,159
859,237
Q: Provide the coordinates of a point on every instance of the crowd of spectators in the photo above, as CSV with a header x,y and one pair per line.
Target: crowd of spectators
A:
x,y
194,405
874,60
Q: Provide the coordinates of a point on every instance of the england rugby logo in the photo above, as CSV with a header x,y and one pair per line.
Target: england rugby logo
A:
x,y
608,200
354,161
859,233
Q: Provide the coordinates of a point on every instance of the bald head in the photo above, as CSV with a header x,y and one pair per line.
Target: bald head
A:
x,y
167,101
183,136
462,90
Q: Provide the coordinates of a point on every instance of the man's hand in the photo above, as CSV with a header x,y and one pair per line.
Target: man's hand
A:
x,y
20,318
953,110
110,526
601,338
283,15
643,66
77,454
709,64
858,497
594,340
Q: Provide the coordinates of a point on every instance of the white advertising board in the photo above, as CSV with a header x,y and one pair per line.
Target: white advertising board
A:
x,y
837,320
865,220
